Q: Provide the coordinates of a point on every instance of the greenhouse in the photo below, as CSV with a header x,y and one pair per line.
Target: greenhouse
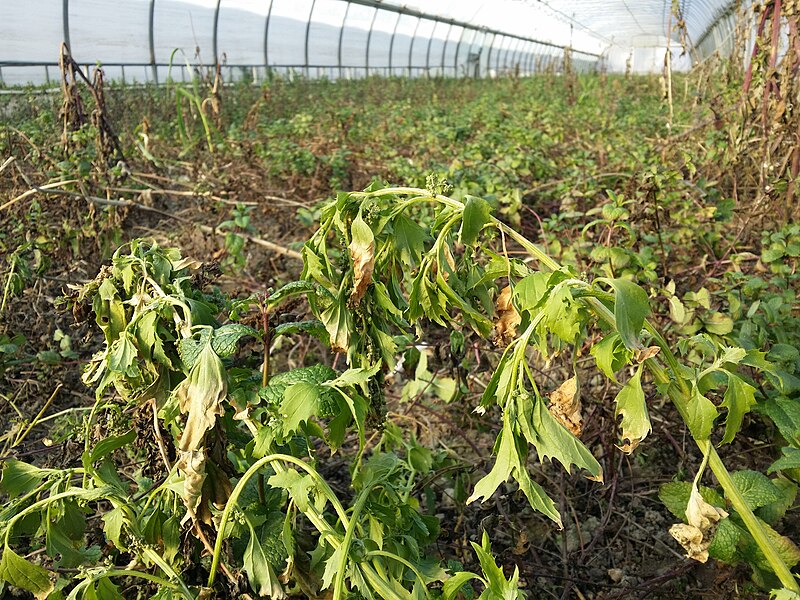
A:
x,y
382,300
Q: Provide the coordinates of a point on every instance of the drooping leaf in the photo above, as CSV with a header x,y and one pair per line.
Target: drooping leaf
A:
x,y
22,574
260,572
508,319
701,414
789,460
725,544
362,254
565,406
477,213
631,307
200,398
610,355
697,533
19,477
631,406
739,399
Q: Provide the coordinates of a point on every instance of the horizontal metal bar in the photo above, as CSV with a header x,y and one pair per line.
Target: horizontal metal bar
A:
x,y
404,10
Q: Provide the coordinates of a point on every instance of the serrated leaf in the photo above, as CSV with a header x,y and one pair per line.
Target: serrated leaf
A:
x,y
700,413
739,399
631,406
531,289
724,546
312,327
631,307
675,496
300,403
477,214
227,337
552,440
756,489
786,548
561,314
408,239
774,511
189,348
785,413
22,574
610,355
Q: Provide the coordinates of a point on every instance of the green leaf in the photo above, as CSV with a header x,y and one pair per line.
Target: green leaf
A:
x,y
20,573
477,214
789,460
700,413
631,307
775,511
610,355
756,488
259,571
531,289
552,440
109,444
739,399
561,314
312,327
504,465
200,397
102,589
675,496
786,548
783,594
300,402
631,406
227,337
408,239
718,323
113,522
19,477
456,583
785,413
725,544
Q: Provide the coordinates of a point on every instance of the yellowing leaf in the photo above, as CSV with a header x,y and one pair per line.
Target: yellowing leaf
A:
x,y
508,319
632,407
565,406
193,466
200,397
362,253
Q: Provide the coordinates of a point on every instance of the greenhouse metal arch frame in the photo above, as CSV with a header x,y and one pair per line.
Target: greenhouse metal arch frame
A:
x,y
464,50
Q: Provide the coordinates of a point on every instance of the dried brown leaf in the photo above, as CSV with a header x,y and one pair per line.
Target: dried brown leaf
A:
x,y
362,253
508,319
696,535
565,406
193,466
645,353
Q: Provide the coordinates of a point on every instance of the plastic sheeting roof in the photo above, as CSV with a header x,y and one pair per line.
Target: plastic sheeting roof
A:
x,y
594,24
345,38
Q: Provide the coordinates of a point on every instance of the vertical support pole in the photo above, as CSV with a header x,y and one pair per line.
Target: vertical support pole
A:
x,y
308,32
428,52
266,40
514,55
122,67
47,74
341,37
444,46
216,29
532,59
458,50
65,23
469,49
391,41
151,40
369,41
489,58
411,47
499,54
